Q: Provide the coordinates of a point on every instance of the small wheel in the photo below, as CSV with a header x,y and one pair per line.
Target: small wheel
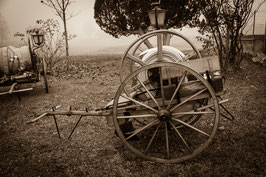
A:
x,y
151,110
159,45
45,75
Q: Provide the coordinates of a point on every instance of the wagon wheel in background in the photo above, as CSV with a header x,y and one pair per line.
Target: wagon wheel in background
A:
x,y
44,68
144,50
160,44
147,116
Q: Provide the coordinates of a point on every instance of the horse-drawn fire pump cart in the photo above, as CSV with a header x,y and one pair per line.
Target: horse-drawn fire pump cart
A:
x,y
19,66
167,106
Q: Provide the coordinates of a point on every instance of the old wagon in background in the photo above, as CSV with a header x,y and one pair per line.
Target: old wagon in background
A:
x,y
22,65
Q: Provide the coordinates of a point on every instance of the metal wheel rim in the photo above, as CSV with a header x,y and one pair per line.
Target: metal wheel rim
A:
x,y
146,36
163,160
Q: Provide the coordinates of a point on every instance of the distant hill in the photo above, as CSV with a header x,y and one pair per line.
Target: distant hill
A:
x,y
120,49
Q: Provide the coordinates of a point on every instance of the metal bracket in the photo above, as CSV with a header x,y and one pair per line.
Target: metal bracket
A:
x,y
231,117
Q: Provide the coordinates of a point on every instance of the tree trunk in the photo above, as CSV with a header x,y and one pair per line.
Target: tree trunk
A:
x,y
219,42
66,39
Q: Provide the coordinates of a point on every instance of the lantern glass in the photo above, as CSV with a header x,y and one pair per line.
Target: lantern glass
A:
x,y
160,13
37,39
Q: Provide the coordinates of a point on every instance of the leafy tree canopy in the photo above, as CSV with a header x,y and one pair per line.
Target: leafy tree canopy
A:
x,y
124,17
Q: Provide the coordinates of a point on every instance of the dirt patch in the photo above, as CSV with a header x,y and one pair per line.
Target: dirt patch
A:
x,y
35,150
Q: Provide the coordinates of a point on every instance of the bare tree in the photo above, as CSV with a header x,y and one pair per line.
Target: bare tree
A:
x,y
60,7
53,48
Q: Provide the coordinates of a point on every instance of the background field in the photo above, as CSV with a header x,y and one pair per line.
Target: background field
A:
x,y
35,150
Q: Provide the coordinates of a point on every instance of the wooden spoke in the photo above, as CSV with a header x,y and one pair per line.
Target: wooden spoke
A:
x,y
179,134
145,41
159,47
166,38
142,104
189,55
126,92
136,59
191,97
137,86
152,138
136,116
148,44
161,86
190,126
167,141
193,113
143,128
176,90
140,49
152,97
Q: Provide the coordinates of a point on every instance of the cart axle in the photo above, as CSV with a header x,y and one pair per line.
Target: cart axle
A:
x,y
164,115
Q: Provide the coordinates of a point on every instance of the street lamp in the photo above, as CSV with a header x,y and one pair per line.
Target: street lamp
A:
x,y
37,38
157,15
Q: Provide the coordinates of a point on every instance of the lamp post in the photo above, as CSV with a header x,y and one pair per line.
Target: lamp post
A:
x,y
37,38
157,18
157,15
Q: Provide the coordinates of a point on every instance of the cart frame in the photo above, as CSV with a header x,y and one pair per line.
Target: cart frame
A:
x,y
141,101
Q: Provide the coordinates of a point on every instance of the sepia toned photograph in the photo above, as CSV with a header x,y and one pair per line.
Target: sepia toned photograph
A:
x,y
119,88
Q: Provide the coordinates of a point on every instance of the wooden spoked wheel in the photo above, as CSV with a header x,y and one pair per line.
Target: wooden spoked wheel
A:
x,y
150,112
44,68
159,45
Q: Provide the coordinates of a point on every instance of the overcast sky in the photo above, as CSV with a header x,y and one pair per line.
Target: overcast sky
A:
x,y
20,14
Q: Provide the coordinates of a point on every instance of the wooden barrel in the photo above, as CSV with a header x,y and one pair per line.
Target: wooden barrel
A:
x,y
23,60
4,61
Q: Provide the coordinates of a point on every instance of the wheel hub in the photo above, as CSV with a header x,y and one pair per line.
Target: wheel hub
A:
x,y
164,115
